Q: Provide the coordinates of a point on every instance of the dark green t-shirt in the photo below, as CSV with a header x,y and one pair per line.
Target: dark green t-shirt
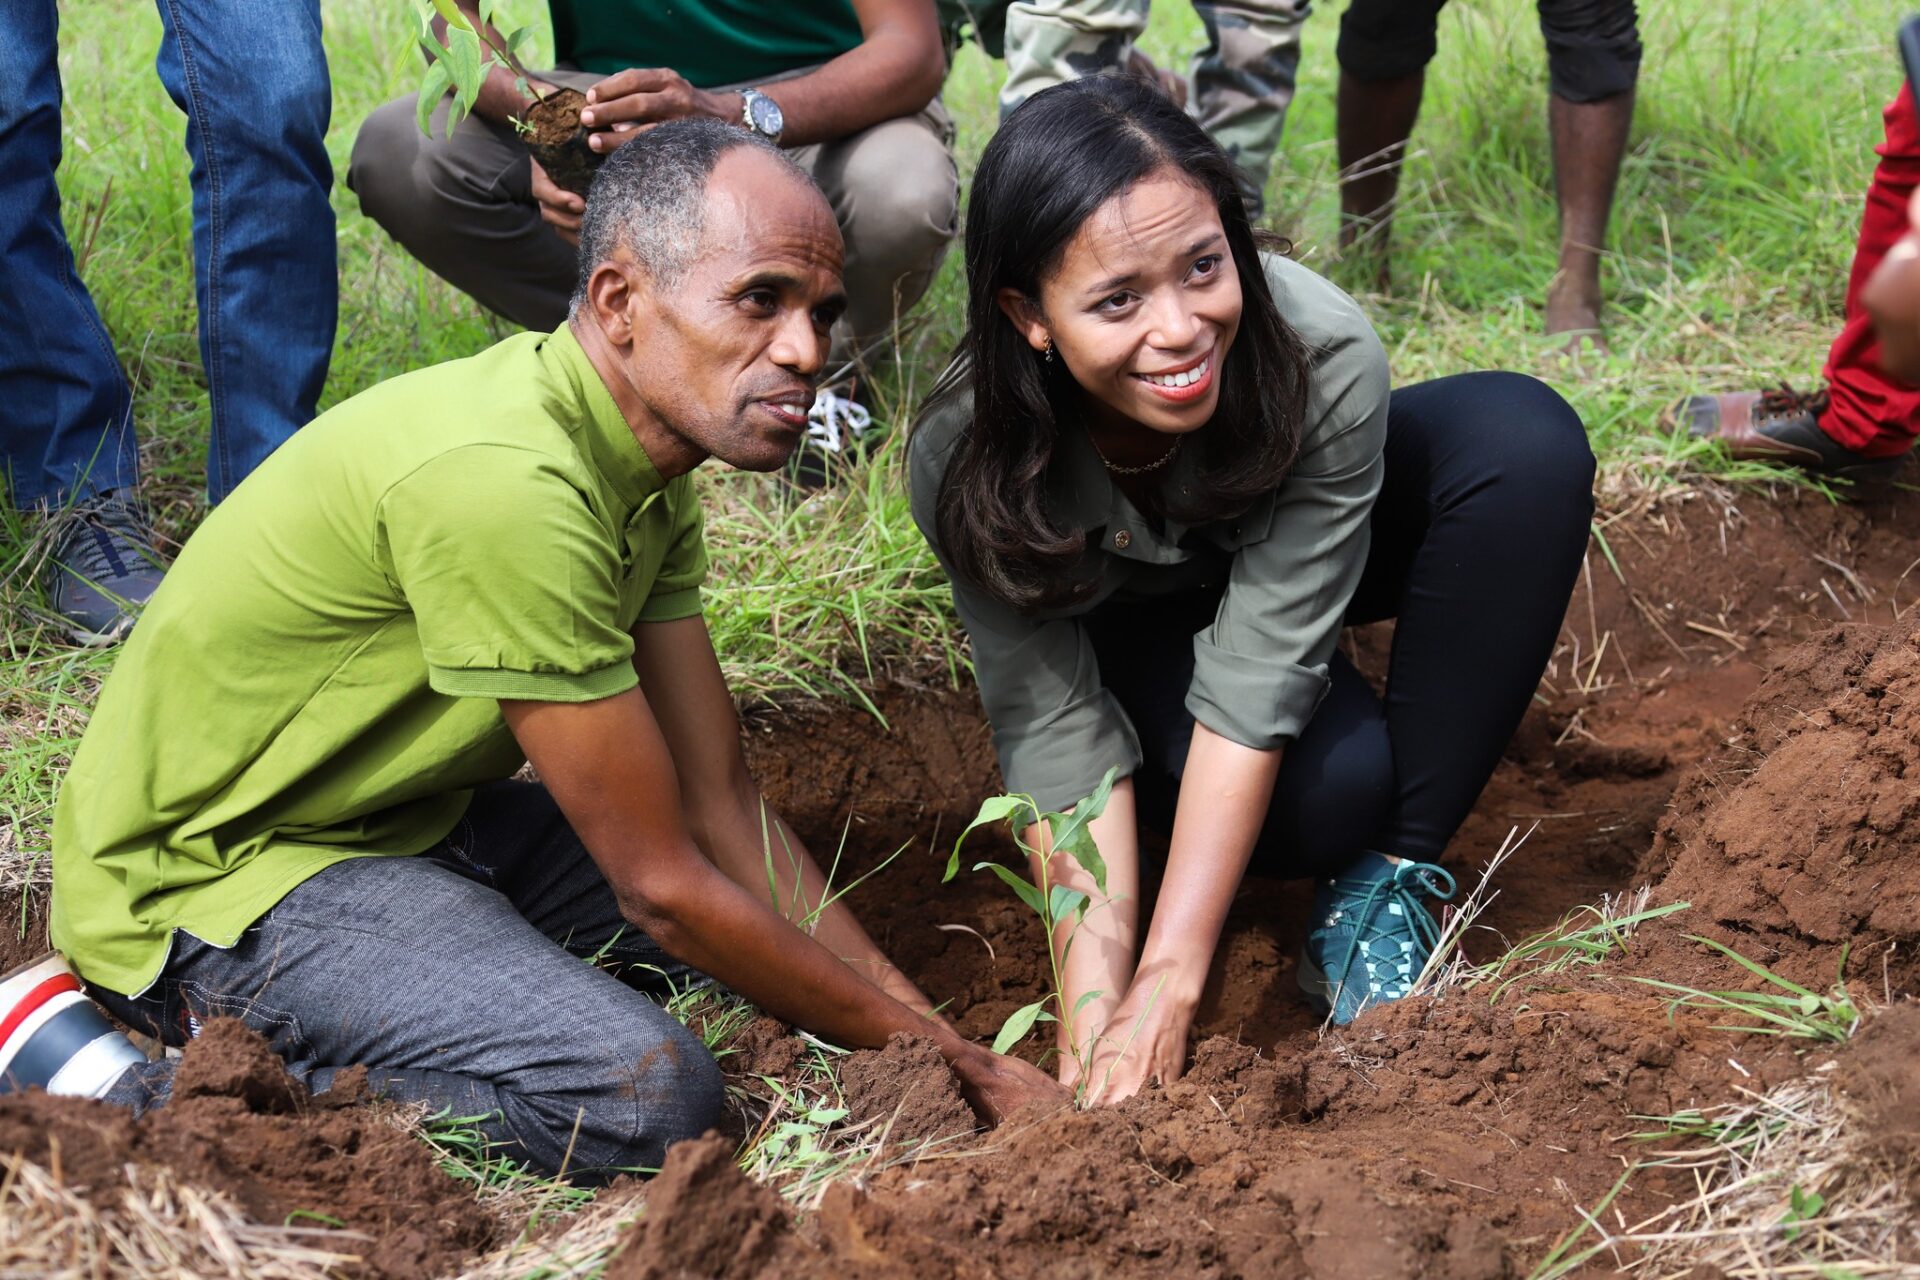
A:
x,y
710,42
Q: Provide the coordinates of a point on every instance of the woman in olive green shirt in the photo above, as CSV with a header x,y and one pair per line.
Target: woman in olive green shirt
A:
x,y
1163,475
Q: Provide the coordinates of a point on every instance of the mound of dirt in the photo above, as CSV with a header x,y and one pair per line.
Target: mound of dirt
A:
x,y
1801,837
1879,1077
239,1126
706,1220
906,1088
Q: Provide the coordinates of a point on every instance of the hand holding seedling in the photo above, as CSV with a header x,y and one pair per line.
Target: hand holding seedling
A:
x,y
628,102
560,208
1149,1045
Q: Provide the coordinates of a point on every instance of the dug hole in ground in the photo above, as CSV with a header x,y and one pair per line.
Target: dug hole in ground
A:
x,y
1731,721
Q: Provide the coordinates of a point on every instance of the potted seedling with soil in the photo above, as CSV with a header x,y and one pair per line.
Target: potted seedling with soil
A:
x,y
459,64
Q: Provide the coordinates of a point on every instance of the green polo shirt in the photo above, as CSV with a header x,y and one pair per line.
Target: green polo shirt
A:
x,y
1290,565
318,677
710,42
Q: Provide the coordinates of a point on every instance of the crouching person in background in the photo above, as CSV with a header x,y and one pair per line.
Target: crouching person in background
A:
x,y
293,804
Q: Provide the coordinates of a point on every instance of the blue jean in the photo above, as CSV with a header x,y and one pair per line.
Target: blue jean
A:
x,y
251,76
457,979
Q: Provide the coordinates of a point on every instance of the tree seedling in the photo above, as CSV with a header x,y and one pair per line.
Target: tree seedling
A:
x,y
462,60
1055,904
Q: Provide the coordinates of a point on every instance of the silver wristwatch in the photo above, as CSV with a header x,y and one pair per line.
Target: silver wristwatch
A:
x,y
762,115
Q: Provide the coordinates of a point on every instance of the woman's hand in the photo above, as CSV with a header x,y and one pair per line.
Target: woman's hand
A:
x,y
1145,1041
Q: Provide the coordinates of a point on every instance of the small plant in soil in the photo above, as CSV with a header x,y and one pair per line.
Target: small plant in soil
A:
x,y
1054,904
1788,1010
460,64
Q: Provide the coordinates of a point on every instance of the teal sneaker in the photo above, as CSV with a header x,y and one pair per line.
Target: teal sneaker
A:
x,y
1371,934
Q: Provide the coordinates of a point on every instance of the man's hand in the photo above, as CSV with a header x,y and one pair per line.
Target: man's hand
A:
x,y
559,207
996,1086
629,102
1144,1041
1892,298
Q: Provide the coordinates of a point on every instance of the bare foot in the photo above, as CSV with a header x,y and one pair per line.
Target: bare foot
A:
x,y
1573,309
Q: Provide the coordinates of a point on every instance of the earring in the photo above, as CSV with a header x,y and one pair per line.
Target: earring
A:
x,y
1049,350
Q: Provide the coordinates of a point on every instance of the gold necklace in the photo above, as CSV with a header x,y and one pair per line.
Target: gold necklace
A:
x,y
1155,465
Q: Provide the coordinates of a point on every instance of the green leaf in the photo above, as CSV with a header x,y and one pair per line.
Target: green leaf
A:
x,y
1063,902
1071,836
1086,1000
519,41
456,20
993,809
486,11
464,63
432,89
1028,894
1015,1029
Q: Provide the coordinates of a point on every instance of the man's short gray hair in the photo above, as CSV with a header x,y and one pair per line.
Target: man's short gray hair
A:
x,y
650,196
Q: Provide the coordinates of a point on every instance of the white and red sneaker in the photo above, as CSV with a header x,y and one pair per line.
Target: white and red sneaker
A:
x,y
54,1038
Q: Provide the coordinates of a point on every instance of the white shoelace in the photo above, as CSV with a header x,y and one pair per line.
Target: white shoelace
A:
x,y
834,418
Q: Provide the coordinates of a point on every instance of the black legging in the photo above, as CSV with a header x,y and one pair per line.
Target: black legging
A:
x,y
1478,536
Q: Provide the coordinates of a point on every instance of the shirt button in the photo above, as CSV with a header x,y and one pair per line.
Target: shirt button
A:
x,y
1122,539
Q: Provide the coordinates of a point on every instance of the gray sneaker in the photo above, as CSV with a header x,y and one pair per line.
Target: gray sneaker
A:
x,y
103,569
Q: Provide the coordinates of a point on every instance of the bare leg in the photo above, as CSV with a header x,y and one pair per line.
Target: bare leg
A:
x,y
1374,120
1589,141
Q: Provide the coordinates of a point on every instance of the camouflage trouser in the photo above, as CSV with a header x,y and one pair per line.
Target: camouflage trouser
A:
x,y
1241,82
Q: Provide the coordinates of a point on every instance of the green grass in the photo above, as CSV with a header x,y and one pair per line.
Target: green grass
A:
x,y
1732,236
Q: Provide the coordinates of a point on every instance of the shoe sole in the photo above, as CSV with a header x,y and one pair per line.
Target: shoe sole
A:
x,y
1313,984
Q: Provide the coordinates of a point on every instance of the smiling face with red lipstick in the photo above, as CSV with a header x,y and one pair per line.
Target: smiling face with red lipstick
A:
x,y
1142,311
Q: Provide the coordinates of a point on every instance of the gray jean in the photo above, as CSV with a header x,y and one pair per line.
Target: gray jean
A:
x,y
456,977
463,205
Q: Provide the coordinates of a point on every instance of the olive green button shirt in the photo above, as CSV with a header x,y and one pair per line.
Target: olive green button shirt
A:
x,y
1289,566
318,676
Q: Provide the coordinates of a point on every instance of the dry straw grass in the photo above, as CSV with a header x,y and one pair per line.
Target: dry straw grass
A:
x,y
150,1225
1785,1185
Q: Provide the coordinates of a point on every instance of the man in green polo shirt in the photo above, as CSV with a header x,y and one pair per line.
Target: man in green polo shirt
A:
x,y
292,804
849,86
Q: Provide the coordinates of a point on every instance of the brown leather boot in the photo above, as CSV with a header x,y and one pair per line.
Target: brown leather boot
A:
x,y
1779,425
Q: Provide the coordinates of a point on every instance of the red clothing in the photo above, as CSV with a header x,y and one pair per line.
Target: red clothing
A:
x,y
1869,411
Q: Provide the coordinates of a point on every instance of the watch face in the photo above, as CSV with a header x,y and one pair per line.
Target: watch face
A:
x,y
766,115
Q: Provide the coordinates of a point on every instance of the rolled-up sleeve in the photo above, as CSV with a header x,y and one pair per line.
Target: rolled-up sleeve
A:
x,y
1056,729
1261,669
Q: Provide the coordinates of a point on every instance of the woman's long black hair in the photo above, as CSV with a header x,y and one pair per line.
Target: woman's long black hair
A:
x,y
1063,154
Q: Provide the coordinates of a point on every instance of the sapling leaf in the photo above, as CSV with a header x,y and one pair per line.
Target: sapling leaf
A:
x,y
1086,1000
1071,836
1063,902
456,20
486,8
432,89
519,40
463,62
1028,894
1015,1029
993,809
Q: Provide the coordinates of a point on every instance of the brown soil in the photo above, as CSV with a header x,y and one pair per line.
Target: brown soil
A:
x,y
1704,729
907,1091
237,1125
559,143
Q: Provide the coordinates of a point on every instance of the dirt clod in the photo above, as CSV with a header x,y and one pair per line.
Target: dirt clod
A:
x,y
906,1088
706,1220
237,1125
